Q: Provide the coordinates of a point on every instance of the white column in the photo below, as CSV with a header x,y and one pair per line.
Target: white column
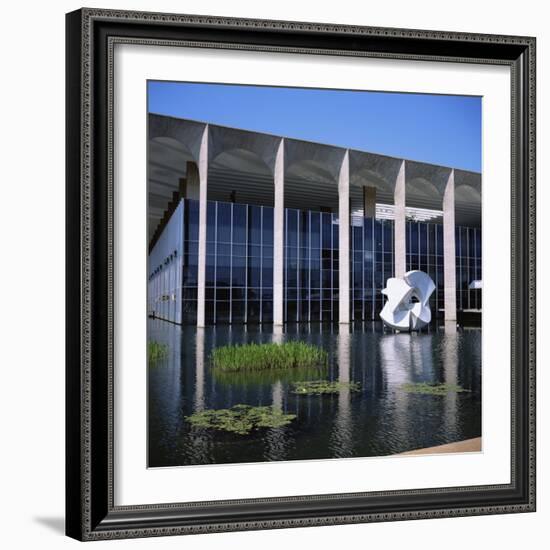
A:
x,y
343,240
449,251
203,196
399,223
279,234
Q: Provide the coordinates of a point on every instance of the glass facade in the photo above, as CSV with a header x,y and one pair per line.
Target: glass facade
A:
x,y
239,264
425,252
310,266
190,261
372,263
468,267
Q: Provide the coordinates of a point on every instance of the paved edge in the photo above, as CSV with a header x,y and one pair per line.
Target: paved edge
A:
x,y
466,446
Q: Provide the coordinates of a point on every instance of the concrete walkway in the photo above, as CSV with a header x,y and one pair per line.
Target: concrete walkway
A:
x,y
466,446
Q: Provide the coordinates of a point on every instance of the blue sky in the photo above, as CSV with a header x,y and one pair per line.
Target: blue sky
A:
x,y
438,129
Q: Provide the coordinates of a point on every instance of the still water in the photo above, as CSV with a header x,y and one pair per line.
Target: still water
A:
x,y
380,420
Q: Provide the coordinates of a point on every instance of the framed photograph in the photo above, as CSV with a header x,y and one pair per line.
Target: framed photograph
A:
x,y
300,274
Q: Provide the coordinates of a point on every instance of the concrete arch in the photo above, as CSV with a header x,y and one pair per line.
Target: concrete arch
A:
x,y
426,179
242,160
467,194
470,180
369,170
188,133
312,161
423,187
229,140
165,149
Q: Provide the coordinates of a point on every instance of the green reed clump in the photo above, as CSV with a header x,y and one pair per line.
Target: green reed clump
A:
x,y
268,356
156,351
324,387
241,419
432,388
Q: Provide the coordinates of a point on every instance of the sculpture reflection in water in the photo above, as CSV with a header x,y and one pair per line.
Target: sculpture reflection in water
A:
x,y
407,307
410,359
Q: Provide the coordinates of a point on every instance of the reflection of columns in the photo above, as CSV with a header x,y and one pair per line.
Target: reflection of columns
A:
x,y
276,438
369,202
449,252
343,428
399,223
344,355
277,393
203,197
199,370
279,234
343,253
450,374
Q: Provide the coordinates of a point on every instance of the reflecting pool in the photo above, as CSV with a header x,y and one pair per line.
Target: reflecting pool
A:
x,y
381,419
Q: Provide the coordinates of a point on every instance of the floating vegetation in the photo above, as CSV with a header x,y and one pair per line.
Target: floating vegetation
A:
x,y
432,388
241,419
324,387
156,351
287,355
267,377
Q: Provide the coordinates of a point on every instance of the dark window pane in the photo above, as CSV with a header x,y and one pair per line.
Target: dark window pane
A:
x,y
254,225
224,222
239,223
315,230
267,226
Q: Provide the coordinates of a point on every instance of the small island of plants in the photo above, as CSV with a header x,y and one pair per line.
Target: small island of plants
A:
x,y
241,419
287,355
432,388
324,387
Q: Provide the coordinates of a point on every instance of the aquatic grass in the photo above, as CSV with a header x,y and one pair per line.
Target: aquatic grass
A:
x,y
156,351
287,355
432,388
324,387
241,419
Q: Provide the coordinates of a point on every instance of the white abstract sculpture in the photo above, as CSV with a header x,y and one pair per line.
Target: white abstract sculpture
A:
x,y
407,306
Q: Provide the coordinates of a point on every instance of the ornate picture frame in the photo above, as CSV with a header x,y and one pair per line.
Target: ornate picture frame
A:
x,y
91,511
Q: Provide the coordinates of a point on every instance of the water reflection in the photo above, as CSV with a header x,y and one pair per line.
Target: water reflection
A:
x,y
199,370
382,419
342,434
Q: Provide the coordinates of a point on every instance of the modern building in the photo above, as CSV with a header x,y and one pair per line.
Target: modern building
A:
x,y
247,227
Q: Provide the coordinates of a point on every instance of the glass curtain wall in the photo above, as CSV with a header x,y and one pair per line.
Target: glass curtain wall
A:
x,y
239,263
372,263
468,267
425,252
311,266
190,260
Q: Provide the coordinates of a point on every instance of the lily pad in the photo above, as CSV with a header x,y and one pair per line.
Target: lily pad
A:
x,y
241,419
324,387
432,388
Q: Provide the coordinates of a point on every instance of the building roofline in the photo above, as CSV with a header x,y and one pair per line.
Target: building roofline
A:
x,y
340,147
